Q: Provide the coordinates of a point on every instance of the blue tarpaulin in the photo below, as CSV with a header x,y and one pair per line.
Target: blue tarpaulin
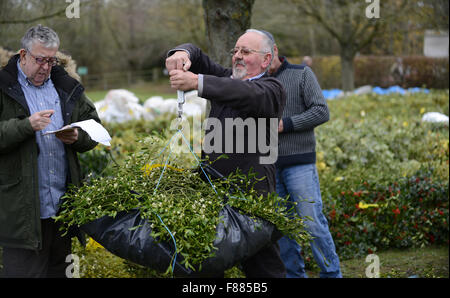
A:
x,y
331,94
334,93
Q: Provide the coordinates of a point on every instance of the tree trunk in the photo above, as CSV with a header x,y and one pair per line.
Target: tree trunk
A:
x,y
132,61
225,21
95,38
348,74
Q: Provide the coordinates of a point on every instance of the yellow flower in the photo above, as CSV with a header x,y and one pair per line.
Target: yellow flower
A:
x,y
363,205
340,178
321,165
92,244
405,124
422,110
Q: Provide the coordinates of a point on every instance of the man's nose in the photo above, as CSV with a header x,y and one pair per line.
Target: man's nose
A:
x,y
45,66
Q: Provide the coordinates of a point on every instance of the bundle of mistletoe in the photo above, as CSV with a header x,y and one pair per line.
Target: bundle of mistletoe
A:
x,y
176,201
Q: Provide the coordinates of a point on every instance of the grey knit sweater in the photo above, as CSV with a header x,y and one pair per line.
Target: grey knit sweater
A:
x,y
305,109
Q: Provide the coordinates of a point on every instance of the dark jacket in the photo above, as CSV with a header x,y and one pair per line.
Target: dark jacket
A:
x,y
19,199
263,98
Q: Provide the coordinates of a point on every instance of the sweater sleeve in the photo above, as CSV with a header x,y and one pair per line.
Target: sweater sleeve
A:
x,y
316,112
13,132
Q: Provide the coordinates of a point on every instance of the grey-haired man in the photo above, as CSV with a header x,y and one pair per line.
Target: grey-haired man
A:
x,y
242,92
37,95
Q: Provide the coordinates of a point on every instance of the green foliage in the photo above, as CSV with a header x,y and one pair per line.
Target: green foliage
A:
x,y
412,212
124,140
370,145
377,147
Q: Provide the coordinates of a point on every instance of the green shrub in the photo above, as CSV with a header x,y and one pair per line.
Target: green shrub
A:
x,y
412,212
377,145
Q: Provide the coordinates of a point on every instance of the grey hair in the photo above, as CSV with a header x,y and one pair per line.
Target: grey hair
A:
x,y
44,35
268,42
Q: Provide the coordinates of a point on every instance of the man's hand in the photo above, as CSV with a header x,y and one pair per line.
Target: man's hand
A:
x,y
280,126
40,120
68,136
178,61
183,80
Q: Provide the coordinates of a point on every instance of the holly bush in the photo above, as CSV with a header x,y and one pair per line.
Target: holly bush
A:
x,y
411,212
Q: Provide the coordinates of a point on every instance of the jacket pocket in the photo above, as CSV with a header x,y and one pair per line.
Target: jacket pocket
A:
x,y
13,222
10,167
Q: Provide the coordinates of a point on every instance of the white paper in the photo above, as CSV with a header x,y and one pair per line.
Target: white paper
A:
x,y
55,131
94,129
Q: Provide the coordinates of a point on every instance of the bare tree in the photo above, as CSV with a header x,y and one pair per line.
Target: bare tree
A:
x,y
435,12
348,22
46,10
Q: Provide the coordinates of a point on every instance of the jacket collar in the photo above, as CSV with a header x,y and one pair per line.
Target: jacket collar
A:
x,y
284,64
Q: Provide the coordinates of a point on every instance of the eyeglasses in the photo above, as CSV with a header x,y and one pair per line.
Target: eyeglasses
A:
x,y
52,61
244,51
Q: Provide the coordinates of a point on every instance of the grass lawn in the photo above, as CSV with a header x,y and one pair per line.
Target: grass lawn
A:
x,y
428,262
143,91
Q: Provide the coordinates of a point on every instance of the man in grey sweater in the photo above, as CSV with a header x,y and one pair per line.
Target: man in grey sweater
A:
x,y
296,173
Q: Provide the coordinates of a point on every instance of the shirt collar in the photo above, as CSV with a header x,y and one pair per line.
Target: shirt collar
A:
x,y
253,78
23,79
256,77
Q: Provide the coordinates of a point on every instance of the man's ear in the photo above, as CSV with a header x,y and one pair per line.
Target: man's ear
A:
x,y
22,54
267,60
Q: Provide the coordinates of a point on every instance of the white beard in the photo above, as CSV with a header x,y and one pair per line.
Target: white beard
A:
x,y
239,73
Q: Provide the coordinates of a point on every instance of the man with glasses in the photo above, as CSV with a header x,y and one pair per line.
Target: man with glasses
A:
x,y
37,95
243,92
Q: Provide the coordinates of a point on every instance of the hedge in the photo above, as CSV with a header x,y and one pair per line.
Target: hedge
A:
x,y
419,71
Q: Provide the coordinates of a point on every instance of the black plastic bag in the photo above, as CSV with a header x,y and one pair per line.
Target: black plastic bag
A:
x,y
238,237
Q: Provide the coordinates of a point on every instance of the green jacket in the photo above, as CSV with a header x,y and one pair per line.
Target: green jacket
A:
x,y
20,224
